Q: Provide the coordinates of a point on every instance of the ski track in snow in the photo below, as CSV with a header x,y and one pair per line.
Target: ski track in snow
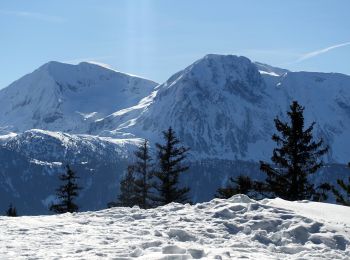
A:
x,y
220,229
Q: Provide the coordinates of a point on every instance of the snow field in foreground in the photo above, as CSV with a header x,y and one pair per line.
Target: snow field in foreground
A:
x,y
220,229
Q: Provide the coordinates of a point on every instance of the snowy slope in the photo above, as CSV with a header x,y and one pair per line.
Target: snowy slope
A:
x,y
31,162
326,97
64,97
50,146
266,69
330,214
216,105
223,106
220,229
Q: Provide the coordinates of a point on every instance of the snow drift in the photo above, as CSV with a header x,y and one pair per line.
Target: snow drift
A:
x,y
220,229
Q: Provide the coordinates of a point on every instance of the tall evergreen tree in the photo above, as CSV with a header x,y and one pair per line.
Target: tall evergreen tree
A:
x,y
296,157
339,196
66,193
171,156
127,196
11,211
143,175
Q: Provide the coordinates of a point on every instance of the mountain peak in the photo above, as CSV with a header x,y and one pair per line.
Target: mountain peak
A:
x,y
53,65
221,71
63,71
65,97
223,58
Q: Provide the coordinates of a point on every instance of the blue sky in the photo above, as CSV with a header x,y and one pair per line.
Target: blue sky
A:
x,y
156,38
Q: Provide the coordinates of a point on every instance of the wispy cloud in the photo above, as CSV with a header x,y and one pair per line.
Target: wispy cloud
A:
x,y
33,15
312,54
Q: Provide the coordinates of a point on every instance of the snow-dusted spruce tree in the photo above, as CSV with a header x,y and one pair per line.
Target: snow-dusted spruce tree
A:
x,y
171,156
296,157
127,196
11,211
66,193
143,172
339,196
240,185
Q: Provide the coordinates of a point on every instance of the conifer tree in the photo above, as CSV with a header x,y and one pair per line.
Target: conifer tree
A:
x,y
322,191
66,193
296,157
11,211
240,185
143,176
339,196
127,196
171,156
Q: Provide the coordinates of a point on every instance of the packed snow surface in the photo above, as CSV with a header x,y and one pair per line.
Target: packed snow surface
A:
x,y
220,229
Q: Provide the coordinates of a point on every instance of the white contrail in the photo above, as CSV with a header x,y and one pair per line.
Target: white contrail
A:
x,y
318,52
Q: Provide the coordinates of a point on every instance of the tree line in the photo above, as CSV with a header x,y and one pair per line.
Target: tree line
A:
x,y
151,182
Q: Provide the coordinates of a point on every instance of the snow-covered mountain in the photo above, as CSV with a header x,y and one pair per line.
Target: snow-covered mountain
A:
x,y
236,228
222,106
64,97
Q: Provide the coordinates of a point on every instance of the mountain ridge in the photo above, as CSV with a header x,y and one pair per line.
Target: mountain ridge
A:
x,y
222,106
